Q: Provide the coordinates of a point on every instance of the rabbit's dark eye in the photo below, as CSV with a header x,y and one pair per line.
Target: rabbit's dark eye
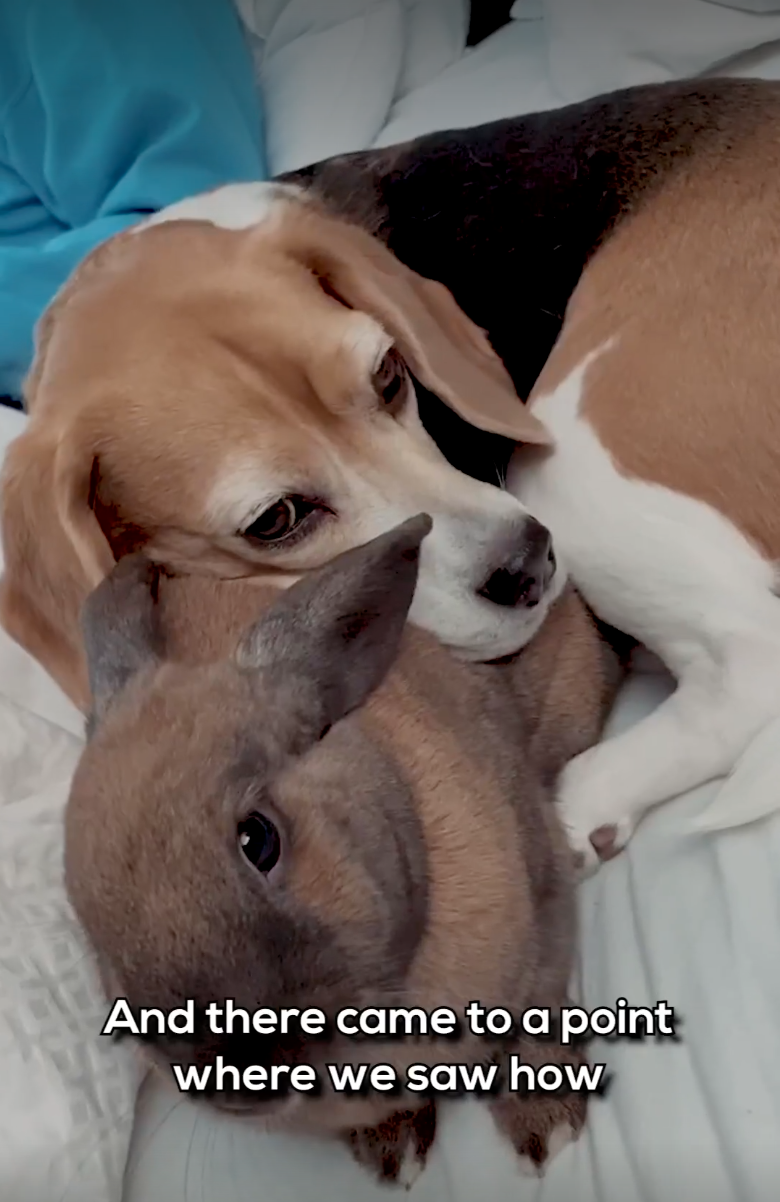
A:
x,y
259,840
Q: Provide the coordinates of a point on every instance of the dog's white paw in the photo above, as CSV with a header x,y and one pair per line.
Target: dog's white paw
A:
x,y
596,823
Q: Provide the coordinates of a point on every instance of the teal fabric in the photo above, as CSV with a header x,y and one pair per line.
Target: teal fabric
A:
x,y
109,109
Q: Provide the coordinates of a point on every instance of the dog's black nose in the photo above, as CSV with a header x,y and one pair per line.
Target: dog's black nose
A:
x,y
522,580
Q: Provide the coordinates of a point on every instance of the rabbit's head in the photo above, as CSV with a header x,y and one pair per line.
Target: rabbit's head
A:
x,y
231,833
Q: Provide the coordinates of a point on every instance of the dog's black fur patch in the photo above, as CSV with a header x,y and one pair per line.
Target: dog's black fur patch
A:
x,y
507,214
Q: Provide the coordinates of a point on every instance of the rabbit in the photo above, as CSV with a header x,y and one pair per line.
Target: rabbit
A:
x,y
295,798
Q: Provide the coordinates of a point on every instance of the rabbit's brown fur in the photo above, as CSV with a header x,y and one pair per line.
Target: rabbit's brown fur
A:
x,y
423,863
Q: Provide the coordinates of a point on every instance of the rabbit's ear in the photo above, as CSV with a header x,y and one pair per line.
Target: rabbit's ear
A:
x,y
118,622
330,639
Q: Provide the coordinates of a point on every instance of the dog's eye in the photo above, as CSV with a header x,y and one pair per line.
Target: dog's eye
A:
x,y
259,841
390,377
279,520
286,520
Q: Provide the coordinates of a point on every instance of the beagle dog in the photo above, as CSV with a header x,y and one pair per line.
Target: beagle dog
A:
x,y
231,385
623,256
237,385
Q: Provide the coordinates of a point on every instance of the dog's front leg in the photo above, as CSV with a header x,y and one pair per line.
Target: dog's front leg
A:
x,y
684,581
603,792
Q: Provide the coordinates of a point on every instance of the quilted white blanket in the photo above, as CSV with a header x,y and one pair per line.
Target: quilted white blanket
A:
x,y
66,1095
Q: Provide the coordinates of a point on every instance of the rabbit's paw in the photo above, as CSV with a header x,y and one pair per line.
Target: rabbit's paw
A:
x,y
539,1127
396,1150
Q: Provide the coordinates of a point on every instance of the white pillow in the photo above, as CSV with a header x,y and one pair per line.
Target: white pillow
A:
x,y
66,1095
596,46
259,15
527,10
328,71
436,32
504,75
750,6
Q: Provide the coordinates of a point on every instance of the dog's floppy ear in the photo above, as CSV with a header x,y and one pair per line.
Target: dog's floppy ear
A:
x,y
450,355
55,551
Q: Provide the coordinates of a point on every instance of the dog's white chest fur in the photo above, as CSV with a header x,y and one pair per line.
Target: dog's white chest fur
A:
x,y
683,580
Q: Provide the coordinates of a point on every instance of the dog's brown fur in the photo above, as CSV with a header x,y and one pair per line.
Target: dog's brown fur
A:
x,y
680,307
175,351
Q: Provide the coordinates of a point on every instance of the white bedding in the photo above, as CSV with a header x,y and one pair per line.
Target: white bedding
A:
x,y
66,1096
691,920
